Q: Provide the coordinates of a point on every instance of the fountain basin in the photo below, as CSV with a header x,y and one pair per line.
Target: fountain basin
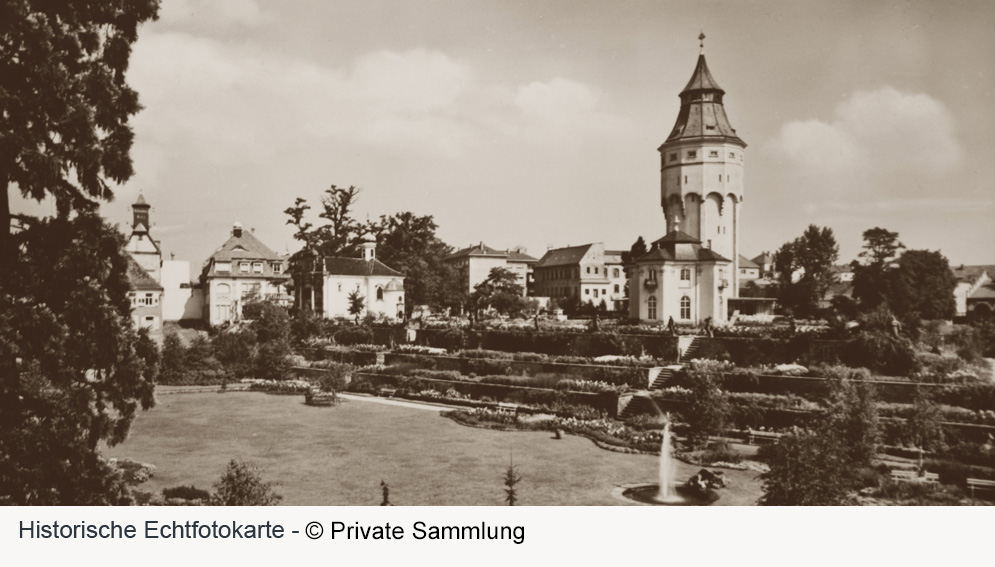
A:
x,y
679,495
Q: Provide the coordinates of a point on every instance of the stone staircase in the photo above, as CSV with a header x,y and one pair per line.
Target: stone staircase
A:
x,y
691,351
640,403
665,374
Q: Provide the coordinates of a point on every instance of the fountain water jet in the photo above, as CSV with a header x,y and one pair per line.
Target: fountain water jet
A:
x,y
665,492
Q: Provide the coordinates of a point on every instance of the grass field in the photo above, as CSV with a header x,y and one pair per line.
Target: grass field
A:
x,y
337,456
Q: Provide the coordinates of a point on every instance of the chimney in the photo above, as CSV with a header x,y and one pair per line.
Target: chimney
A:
x,y
236,230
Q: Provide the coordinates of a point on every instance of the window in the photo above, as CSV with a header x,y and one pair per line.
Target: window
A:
x,y
604,291
222,267
244,267
340,288
651,307
685,179
595,293
685,307
379,293
587,292
595,269
257,268
685,274
614,272
651,275
223,292
589,269
732,155
250,290
692,154
616,288
673,156
713,153
277,268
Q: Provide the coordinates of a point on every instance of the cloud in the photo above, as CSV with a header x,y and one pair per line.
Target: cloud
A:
x,y
873,134
231,101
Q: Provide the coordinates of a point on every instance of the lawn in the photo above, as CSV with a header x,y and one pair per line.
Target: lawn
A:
x,y
337,456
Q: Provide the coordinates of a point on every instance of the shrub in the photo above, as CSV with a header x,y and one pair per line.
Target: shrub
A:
x,y
186,493
707,405
334,379
353,336
881,353
241,485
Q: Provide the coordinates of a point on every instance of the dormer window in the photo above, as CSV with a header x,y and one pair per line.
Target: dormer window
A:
x,y
244,267
277,268
257,268
222,267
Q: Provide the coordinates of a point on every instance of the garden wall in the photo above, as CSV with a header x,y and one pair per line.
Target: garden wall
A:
x,y
809,387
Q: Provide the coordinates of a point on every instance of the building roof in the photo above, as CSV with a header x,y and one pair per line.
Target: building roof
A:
x,y
986,291
243,245
476,250
701,79
764,258
745,262
563,256
516,256
971,273
139,279
141,200
358,267
702,114
679,246
482,250
394,285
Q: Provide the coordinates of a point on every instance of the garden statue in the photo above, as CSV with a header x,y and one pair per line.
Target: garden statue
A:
x,y
708,327
896,327
671,326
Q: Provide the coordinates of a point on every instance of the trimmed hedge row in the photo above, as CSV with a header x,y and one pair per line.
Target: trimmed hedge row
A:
x,y
536,397
803,349
632,376
553,343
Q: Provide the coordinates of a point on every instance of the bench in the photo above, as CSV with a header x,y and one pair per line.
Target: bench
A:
x,y
387,392
913,476
978,483
507,408
754,437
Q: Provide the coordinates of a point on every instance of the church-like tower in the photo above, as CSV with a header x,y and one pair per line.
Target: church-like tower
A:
x,y
702,170
140,245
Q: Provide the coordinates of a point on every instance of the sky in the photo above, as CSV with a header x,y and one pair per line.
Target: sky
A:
x,y
537,123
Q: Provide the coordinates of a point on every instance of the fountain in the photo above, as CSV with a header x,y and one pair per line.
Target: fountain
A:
x,y
667,492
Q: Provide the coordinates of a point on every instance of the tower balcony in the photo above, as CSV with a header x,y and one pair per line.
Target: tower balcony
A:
x,y
650,285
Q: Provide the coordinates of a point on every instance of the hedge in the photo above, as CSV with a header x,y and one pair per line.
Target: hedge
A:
x,y
551,342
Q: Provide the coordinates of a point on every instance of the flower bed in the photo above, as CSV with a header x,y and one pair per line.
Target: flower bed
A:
x,y
278,386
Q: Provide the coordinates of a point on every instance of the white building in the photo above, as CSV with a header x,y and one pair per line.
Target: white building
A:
x,y
323,285
241,269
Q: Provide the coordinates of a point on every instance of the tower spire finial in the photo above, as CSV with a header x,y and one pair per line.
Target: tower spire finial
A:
x,y
701,41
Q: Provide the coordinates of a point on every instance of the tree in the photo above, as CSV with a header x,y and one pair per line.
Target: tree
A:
x,y
925,286
707,407
174,359
340,232
407,243
501,292
76,371
241,485
874,280
851,416
73,370
635,251
65,103
511,480
923,425
806,469
805,270
356,303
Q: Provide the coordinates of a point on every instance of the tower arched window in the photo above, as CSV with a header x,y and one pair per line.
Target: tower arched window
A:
x,y
651,307
685,307
379,293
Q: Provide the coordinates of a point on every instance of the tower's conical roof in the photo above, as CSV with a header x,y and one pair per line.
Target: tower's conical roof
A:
x,y
702,114
702,78
141,200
